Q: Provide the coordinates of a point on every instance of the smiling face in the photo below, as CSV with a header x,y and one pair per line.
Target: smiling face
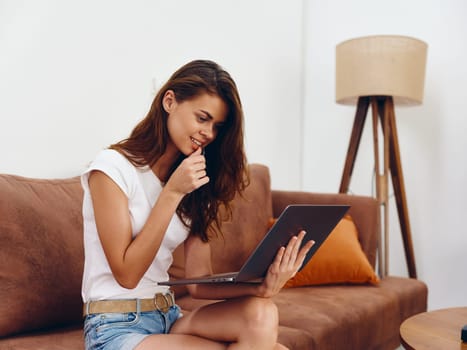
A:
x,y
195,122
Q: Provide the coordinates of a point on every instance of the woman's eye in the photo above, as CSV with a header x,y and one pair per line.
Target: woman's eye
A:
x,y
202,118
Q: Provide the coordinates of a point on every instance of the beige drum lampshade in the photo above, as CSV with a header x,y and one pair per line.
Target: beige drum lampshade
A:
x,y
382,65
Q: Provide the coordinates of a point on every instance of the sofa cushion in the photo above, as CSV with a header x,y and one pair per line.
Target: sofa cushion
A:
x,y
351,316
41,253
340,259
70,338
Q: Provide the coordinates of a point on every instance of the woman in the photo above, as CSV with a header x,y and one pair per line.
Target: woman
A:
x,y
162,186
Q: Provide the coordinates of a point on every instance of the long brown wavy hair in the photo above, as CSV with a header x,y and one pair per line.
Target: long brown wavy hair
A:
x,y
226,162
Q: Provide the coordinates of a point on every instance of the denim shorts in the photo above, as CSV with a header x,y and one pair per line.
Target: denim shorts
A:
x,y
124,331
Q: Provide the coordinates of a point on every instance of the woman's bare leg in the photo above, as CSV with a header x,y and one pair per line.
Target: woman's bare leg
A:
x,y
178,342
247,322
242,323
182,341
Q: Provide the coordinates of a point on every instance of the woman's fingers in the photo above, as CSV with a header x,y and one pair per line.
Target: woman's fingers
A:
x,y
279,256
190,174
293,247
293,256
302,253
288,254
286,264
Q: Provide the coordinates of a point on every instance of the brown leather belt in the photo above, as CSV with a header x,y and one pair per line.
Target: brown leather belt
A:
x,y
161,302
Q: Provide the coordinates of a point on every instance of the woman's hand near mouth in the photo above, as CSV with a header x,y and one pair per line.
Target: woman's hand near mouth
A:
x,y
190,174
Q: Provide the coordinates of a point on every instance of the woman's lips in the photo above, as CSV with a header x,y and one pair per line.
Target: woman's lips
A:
x,y
196,142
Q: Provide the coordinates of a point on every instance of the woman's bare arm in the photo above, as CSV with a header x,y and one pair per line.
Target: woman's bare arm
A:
x,y
128,258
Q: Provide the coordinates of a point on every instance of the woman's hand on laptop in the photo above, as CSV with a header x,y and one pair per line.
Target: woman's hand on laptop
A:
x,y
286,264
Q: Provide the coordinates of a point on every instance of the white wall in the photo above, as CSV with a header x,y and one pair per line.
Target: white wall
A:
x,y
77,76
431,137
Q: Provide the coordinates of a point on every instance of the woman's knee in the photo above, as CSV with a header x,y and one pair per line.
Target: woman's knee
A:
x,y
261,312
260,323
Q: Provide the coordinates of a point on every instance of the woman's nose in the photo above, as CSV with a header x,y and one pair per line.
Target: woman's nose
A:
x,y
207,132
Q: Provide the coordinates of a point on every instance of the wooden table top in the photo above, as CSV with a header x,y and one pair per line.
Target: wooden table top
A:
x,y
438,329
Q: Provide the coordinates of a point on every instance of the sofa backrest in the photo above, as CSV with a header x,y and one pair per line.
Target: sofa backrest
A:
x,y
41,253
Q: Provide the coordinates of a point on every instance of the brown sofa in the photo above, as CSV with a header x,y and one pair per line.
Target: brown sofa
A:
x,y
41,261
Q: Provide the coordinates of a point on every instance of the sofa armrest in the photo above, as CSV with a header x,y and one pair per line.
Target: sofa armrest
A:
x,y
365,212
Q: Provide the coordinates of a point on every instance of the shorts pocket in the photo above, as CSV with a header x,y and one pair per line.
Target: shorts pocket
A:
x,y
116,320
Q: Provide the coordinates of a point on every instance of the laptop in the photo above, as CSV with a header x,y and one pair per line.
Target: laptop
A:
x,y
317,220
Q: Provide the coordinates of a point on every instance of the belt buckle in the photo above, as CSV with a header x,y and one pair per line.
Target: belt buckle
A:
x,y
162,303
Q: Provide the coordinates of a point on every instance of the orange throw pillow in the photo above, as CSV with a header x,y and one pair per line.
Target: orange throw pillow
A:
x,y
340,259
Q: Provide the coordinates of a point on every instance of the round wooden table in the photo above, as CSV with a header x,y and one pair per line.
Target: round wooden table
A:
x,y
438,329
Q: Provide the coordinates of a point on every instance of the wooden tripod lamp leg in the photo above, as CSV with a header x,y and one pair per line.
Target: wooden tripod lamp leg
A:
x,y
399,189
357,129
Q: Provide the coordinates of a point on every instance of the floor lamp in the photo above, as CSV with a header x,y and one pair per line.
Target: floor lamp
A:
x,y
379,72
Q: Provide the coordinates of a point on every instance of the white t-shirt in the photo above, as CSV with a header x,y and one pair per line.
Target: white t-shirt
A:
x,y
142,188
